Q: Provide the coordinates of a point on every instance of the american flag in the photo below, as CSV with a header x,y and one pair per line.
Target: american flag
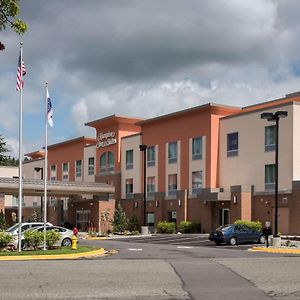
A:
x,y
20,73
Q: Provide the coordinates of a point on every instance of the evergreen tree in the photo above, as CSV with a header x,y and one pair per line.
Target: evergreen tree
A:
x,y
2,220
3,150
134,223
119,221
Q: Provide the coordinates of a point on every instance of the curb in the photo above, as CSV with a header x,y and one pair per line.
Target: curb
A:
x,y
99,252
96,238
275,250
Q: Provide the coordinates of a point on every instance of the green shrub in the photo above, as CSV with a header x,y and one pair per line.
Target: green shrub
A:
x,y
5,239
189,227
52,237
33,239
255,225
166,227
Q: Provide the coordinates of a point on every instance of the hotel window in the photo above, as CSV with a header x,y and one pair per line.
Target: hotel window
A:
x,y
151,156
91,166
53,172
129,159
129,188
197,148
172,184
110,161
172,153
103,163
150,186
270,138
107,162
233,144
78,168
270,177
196,182
65,175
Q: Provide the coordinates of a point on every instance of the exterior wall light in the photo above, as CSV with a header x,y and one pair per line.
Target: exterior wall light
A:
x,y
235,199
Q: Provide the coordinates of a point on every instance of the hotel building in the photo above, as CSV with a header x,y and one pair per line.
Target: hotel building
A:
x,y
211,164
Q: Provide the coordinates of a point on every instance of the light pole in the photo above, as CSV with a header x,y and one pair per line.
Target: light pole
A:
x,y
143,148
275,117
38,169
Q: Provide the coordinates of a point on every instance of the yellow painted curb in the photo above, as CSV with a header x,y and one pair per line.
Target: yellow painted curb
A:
x,y
99,252
96,238
276,250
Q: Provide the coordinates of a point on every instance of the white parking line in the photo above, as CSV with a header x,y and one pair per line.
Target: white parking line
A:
x,y
184,247
135,249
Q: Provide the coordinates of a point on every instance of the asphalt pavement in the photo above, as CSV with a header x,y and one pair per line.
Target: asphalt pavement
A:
x,y
159,267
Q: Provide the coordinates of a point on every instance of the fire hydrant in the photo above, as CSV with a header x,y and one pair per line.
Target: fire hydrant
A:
x,y
74,242
74,239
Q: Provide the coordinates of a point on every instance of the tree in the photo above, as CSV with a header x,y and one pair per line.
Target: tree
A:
x,y
9,9
134,223
2,220
3,150
119,221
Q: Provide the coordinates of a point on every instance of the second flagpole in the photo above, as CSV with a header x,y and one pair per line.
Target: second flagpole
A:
x,y
46,164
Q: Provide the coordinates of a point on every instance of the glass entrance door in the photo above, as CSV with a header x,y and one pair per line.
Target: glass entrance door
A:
x,y
83,219
224,216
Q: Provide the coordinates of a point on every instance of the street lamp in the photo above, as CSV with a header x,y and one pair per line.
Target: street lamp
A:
x,y
143,148
275,117
38,169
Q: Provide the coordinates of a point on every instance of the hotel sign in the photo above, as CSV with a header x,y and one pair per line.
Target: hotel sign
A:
x,y
106,139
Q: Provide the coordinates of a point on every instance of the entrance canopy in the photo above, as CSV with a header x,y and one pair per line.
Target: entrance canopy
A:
x,y
35,187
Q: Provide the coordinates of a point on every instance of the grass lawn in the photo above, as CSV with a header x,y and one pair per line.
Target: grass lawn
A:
x,y
63,250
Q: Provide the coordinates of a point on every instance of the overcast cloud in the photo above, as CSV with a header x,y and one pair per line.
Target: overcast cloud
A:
x,y
143,59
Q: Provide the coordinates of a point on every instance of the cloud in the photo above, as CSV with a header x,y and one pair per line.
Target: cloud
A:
x,y
146,58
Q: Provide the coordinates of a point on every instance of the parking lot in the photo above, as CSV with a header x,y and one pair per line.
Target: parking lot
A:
x,y
183,240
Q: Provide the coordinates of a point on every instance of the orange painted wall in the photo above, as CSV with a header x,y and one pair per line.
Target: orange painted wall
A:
x,y
66,152
120,130
182,127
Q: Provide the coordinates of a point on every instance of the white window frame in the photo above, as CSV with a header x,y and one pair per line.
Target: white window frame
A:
x,y
91,167
129,165
53,173
77,173
65,175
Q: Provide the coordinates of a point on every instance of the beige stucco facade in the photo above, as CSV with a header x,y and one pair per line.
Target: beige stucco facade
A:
x,y
173,168
131,143
197,165
30,172
9,200
89,151
296,141
248,167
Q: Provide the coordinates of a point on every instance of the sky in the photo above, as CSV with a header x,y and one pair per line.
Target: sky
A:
x,y
143,59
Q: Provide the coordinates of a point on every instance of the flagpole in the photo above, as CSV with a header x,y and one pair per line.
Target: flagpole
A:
x,y
20,150
46,165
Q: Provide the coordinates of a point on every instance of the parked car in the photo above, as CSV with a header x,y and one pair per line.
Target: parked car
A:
x,y
233,234
64,241
14,230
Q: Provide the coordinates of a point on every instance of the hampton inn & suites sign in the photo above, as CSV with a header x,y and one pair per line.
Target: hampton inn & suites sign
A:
x,y
106,139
